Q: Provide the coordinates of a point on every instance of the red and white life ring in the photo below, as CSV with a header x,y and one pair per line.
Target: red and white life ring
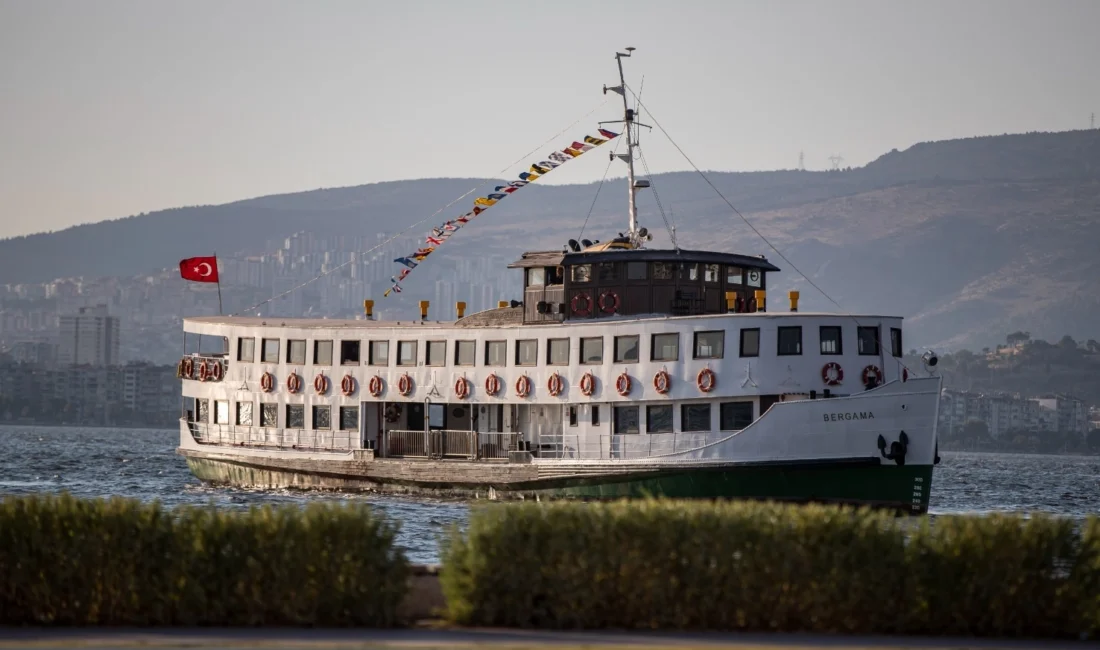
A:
x,y
872,370
492,385
202,371
462,388
294,383
215,371
189,368
405,385
609,302
347,385
588,384
706,380
555,385
267,382
375,386
832,374
905,374
622,384
662,382
320,384
581,304
523,386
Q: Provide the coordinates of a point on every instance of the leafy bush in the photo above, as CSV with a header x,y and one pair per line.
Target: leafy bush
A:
x,y
755,566
68,561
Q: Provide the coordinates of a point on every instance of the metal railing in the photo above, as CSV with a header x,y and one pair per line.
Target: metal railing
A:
x,y
248,436
448,443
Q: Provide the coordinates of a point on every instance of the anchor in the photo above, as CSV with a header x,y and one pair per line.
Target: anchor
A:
x,y
897,448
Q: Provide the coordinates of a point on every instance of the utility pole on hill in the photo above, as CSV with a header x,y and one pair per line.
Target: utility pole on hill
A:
x,y
836,159
1092,121
801,161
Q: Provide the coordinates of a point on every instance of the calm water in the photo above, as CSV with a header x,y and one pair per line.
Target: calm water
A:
x,y
143,464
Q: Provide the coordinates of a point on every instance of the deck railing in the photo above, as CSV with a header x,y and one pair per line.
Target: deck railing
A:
x,y
448,443
250,436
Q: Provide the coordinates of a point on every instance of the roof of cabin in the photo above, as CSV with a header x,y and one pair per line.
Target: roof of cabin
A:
x,y
555,258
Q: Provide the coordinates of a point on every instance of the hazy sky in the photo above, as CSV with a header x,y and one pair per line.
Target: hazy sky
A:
x,y
111,108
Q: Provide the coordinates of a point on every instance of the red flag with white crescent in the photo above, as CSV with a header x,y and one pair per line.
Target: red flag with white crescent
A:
x,y
199,269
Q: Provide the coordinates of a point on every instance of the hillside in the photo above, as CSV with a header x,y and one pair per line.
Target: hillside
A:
x,y
966,238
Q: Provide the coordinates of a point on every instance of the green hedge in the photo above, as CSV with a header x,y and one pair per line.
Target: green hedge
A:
x,y
68,561
754,566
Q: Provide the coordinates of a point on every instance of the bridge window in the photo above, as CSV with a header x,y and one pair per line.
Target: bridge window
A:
x,y
269,415
733,275
406,353
379,353
592,350
202,410
582,273
464,353
710,273
244,414
625,419
663,270
246,350
689,271
322,353
665,347
867,338
635,271
322,417
221,411
895,342
734,416
349,418
658,418
695,417
790,340
349,353
536,277
270,351
496,353
527,352
708,345
750,342
296,352
608,271
557,352
295,416
626,349
830,340
436,354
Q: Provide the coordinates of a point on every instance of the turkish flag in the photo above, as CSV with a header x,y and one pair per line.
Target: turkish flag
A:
x,y
199,269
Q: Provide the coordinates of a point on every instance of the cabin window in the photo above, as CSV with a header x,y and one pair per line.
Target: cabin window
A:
x,y
754,277
595,415
495,353
689,272
572,415
663,270
733,275
710,273
322,353
830,340
592,350
527,353
556,275
406,353
557,352
635,271
244,414
790,341
379,353
436,354
625,419
202,410
695,417
349,353
536,277
295,416
296,352
246,350
626,349
269,415
270,351
709,345
734,416
607,271
349,418
665,347
895,342
750,342
658,418
582,273
867,338
221,411
322,417
464,353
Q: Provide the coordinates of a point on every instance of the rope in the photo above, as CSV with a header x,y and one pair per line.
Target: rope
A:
x,y
668,227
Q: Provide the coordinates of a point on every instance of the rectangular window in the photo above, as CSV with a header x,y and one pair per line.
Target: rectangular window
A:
x,y
625,419
626,349
665,347
867,338
527,352
379,353
464,353
658,418
790,341
295,416
496,353
536,277
595,415
710,273
689,272
349,418
572,415
750,342
557,352
406,353
202,410
592,350
733,275
269,415
607,271
349,353
322,353
709,345
296,352
270,351
582,273
635,271
895,342
695,417
221,411
830,340
246,350
322,417
754,278
436,354
244,414
662,270
734,416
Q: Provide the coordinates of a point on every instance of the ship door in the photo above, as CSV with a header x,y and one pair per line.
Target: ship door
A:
x,y
369,423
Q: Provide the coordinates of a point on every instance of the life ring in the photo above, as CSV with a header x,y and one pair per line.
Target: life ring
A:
x,y
179,369
609,302
375,386
872,370
492,385
581,309
203,371
706,380
267,382
405,385
215,371
662,382
832,374
588,384
622,384
555,385
294,383
347,385
462,388
523,386
320,384
188,368
905,374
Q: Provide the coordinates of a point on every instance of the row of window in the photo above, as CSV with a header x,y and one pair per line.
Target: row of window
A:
x,y
626,348
269,415
615,271
694,417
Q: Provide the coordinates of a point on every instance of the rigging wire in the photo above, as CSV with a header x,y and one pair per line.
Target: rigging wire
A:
x,y
598,188
429,217
656,197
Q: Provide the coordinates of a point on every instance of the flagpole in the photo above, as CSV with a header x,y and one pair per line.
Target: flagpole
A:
x,y
220,312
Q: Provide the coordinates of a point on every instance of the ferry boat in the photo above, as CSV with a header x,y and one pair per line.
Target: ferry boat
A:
x,y
622,371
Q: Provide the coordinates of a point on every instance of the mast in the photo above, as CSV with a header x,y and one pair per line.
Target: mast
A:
x,y
637,236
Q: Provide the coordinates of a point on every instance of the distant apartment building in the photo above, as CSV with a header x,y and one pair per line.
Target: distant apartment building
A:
x,y
91,336
41,353
1009,413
